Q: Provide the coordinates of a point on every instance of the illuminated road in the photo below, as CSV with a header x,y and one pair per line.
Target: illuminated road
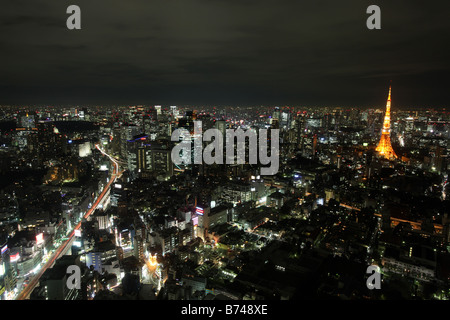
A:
x,y
62,249
154,273
414,224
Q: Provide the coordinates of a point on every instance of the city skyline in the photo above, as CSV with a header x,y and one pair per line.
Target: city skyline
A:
x,y
232,53
244,151
98,198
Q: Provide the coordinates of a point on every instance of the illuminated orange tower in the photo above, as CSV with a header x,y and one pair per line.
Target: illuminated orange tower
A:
x,y
384,147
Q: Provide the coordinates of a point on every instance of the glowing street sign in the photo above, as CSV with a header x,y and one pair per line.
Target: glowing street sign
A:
x,y
199,211
14,257
39,238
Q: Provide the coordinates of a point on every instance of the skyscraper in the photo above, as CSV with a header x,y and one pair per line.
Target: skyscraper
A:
x,y
384,147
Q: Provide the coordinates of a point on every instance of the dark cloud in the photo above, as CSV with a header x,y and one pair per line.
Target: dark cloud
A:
x,y
224,52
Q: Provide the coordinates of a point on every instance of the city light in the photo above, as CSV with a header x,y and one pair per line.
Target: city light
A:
x,y
343,200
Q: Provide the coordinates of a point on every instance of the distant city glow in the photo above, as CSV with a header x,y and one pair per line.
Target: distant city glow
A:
x,y
343,197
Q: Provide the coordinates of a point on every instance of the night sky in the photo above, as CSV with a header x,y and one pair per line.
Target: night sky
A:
x,y
225,52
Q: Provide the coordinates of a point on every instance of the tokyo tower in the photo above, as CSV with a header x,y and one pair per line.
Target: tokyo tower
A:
x,y
384,147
